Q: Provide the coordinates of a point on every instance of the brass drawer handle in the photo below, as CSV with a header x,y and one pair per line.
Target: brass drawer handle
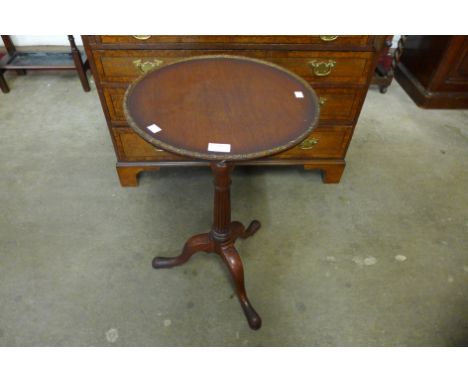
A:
x,y
322,68
144,66
323,100
328,38
308,143
142,37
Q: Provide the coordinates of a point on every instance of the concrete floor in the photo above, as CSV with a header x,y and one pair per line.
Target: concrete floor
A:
x,y
380,259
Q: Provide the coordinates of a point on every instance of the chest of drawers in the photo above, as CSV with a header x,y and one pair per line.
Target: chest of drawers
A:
x,y
339,68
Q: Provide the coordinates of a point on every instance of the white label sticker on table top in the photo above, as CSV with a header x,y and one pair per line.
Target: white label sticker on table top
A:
x,y
299,94
219,147
154,128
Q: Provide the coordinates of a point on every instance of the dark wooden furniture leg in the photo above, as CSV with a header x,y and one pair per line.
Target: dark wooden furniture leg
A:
x,y
80,67
11,49
3,83
221,240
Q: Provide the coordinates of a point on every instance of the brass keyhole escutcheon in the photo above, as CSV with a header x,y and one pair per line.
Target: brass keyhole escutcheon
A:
x,y
323,100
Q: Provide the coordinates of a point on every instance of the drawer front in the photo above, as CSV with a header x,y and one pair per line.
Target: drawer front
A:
x,y
337,105
114,101
128,65
328,67
323,142
326,40
316,67
133,148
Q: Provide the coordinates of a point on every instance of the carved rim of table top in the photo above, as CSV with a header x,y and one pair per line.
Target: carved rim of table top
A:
x,y
212,156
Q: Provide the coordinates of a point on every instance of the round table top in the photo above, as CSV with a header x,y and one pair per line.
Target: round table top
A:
x,y
221,108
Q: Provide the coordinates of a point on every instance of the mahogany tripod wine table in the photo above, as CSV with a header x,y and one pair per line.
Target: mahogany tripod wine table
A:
x,y
222,109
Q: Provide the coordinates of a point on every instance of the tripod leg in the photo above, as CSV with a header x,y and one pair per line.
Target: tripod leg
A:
x,y
195,244
239,230
234,264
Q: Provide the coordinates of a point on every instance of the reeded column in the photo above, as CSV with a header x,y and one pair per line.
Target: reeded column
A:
x,y
220,230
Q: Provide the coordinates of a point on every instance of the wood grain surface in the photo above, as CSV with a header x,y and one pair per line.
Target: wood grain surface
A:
x,y
248,104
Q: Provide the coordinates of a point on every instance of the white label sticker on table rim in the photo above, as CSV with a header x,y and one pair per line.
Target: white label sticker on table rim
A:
x,y
154,128
299,94
219,147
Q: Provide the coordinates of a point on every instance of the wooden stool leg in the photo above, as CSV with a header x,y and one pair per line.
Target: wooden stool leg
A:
x,y
234,263
3,83
79,64
11,49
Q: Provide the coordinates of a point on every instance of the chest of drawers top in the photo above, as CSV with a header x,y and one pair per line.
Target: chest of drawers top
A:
x,y
299,42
